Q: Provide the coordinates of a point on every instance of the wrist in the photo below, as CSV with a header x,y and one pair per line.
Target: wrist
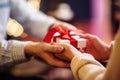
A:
x,y
28,56
29,50
73,55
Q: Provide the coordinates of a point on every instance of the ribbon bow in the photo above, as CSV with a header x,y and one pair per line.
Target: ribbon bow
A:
x,y
64,34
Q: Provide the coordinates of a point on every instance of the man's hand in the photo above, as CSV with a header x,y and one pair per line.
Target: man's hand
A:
x,y
46,52
64,25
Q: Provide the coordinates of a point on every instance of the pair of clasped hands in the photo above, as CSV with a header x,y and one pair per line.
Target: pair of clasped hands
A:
x,y
60,55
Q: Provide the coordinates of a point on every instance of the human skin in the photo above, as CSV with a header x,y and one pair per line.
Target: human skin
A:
x,y
97,47
46,52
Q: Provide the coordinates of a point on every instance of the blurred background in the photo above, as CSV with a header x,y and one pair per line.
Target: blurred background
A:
x,y
93,16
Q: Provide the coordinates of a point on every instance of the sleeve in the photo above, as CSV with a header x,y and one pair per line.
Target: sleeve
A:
x,y
11,52
113,66
85,67
34,22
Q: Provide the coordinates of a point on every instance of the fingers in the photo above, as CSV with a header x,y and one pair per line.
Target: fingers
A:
x,y
48,55
88,36
51,48
58,63
54,48
64,25
68,53
92,38
52,60
63,57
68,26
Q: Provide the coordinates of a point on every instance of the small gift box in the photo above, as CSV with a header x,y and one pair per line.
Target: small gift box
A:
x,y
60,35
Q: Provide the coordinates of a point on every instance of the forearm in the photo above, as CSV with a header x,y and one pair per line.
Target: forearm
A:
x,y
30,18
85,67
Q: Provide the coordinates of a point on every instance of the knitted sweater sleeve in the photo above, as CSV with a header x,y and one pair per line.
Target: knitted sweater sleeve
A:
x,y
11,52
85,67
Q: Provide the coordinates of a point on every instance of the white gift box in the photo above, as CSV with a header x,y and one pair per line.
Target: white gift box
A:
x,y
81,42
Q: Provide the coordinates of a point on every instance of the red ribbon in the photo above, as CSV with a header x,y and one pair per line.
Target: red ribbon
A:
x,y
64,34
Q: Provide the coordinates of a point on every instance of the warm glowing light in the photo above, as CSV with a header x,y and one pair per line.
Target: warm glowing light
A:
x,y
14,28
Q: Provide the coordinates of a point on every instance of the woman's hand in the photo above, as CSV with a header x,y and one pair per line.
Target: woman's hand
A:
x,y
95,46
68,53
